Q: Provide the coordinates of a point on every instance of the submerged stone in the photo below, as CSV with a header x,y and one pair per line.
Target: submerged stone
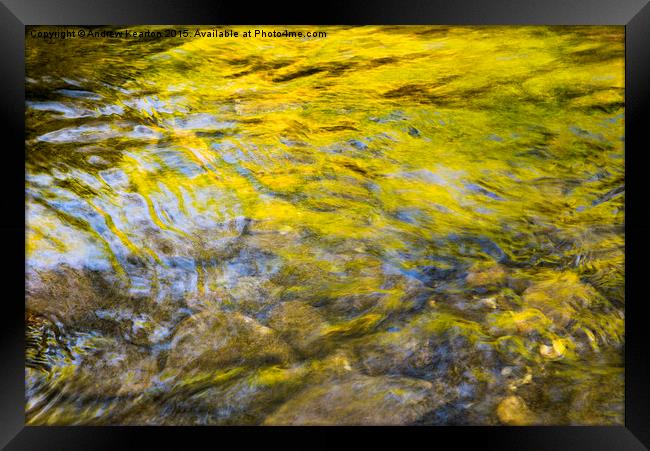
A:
x,y
513,411
117,369
214,339
69,294
246,399
485,276
301,326
360,400
560,298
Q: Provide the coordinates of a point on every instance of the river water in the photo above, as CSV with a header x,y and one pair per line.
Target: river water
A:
x,y
387,225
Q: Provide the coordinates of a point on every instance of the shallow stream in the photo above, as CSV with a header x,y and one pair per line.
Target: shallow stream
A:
x,y
388,225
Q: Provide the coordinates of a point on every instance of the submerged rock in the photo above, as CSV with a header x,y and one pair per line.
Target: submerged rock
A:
x,y
301,326
560,298
554,351
106,379
406,351
252,295
360,400
434,346
95,301
116,369
244,399
486,275
517,284
598,400
513,411
71,295
214,339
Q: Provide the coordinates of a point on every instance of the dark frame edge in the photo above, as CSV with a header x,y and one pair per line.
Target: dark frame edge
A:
x,y
637,97
14,434
12,224
333,12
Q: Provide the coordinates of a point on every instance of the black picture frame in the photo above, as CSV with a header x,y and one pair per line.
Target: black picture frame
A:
x,y
16,14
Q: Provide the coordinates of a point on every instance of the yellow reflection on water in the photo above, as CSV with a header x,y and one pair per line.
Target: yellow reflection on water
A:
x,y
444,204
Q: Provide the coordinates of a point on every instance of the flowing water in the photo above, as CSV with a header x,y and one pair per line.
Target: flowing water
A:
x,y
402,225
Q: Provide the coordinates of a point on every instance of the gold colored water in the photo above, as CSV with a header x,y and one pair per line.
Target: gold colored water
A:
x,y
402,225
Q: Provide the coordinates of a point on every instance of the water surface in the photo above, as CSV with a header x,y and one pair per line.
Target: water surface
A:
x,y
401,225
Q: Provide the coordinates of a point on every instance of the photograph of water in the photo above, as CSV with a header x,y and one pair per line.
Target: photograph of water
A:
x,y
359,225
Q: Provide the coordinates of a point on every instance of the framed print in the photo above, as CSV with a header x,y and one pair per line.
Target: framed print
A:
x,y
410,215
